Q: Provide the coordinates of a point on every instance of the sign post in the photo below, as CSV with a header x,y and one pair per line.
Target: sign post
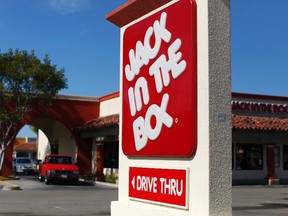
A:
x,y
175,151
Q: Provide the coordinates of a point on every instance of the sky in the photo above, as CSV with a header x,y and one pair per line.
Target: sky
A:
x,y
259,46
78,38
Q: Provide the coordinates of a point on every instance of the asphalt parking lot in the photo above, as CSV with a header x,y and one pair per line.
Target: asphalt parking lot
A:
x,y
38,199
260,200
246,200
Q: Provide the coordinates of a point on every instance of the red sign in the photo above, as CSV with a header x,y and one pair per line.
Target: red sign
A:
x,y
160,83
164,186
257,107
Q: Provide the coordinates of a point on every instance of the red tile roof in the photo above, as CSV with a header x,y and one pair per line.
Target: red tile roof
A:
x,y
26,147
101,122
259,123
238,122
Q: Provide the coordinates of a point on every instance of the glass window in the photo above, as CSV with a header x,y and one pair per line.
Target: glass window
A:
x,y
249,157
60,160
285,157
24,160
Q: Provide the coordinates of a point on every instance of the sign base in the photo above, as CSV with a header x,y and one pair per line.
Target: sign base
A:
x,y
133,208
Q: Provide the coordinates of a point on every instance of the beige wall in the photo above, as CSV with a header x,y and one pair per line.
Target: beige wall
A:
x,y
56,133
110,107
43,145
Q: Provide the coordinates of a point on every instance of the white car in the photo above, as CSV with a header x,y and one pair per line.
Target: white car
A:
x,y
23,165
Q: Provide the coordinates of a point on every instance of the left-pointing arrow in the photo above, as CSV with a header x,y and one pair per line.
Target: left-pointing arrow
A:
x,y
133,182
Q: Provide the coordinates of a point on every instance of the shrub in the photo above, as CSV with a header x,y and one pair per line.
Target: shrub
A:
x,y
111,178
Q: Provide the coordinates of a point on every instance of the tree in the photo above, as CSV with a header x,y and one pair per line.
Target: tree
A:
x,y
24,80
34,129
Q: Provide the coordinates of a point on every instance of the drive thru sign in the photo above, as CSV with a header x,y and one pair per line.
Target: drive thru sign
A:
x,y
165,186
160,83
159,130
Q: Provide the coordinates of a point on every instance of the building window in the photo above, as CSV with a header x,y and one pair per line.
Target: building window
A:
x,y
277,156
285,157
249,157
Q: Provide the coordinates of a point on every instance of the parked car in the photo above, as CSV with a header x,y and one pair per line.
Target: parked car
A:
x,y
36,164
58,168
23,165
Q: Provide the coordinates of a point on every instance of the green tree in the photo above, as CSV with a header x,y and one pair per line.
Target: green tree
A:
x,y
24,80
34,129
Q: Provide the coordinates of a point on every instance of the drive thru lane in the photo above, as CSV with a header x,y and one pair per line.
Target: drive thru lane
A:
x,y
37,198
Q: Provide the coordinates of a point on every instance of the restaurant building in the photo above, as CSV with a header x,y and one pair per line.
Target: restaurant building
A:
x,y
259,138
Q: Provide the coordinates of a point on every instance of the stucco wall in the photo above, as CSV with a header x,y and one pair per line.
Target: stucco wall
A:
x,y
56,133
110,106
63,137
43,145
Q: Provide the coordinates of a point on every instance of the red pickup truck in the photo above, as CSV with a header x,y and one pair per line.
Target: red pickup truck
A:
x,y
58,167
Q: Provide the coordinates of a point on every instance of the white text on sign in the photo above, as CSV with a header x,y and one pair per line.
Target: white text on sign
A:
x,y
166,63
167,186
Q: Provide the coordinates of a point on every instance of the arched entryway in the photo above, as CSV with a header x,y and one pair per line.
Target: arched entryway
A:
x,y
58,123
55,138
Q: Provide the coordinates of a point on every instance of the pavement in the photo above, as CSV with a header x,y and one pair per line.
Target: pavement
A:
x,y
11,184
261,200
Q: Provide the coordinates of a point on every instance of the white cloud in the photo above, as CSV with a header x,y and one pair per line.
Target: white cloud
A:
x,y
69,6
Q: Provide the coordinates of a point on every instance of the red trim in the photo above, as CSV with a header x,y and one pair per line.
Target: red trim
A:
x,y
271,163
133,10
258,97
100,162
109,96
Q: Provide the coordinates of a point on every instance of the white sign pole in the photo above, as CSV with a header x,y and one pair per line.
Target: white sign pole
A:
x,y
208,172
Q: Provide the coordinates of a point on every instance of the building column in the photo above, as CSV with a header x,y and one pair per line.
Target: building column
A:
x,y
100,162
84,155
272,178
7,163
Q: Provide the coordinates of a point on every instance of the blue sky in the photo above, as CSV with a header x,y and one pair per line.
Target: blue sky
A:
x,y
74,33
77,37
259,46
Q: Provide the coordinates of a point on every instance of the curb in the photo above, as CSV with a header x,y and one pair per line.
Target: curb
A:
x,y
5,185
112,185
99,183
